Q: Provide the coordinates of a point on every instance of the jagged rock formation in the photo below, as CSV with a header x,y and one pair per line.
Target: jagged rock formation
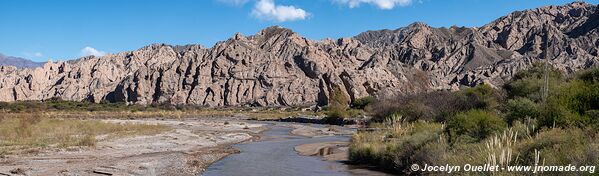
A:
x,y
18,62
277,67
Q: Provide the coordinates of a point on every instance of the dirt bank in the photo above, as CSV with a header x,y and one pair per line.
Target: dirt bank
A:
x,y
334,151
309,130
190,146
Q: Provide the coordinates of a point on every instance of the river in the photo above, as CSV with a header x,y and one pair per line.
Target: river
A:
x,y
275,155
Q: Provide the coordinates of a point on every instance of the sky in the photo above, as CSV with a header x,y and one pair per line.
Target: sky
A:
x,y
68,29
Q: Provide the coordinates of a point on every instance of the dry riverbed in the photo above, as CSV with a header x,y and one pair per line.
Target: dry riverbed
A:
x,y
185,149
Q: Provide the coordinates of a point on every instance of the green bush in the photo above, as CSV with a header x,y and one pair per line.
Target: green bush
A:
x,y
437,105
397,149
520,109
361,103
338,99
336,116
590,75
473,126
555,113
593,117
558,129
580,96
559,147
337,111
482,96
528,83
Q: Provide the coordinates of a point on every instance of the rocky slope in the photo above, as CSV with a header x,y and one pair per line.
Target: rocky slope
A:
x,y
18,62
277,67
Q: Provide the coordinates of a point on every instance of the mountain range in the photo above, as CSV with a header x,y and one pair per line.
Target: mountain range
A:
x,y
18,62
278,67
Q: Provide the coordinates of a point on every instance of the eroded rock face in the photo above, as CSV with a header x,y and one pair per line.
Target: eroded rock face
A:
x,y
277,67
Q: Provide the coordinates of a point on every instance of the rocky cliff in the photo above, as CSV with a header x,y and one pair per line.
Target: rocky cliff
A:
x,y
277,67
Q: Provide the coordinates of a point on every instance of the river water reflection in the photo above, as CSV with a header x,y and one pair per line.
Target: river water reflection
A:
x,y
275,155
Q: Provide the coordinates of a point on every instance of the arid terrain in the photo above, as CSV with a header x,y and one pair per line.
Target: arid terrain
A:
x,y
186,149
517,89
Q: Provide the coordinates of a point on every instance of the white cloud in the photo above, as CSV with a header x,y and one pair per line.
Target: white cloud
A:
x,y
35,54
89,51
381,4
234,2
268,10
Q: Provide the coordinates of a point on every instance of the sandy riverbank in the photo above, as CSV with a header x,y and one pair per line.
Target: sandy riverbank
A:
x,y
190,146
334,151
310,130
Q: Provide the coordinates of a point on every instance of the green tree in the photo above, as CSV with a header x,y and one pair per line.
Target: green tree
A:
x,y
482,96
528,83
519,109
338,105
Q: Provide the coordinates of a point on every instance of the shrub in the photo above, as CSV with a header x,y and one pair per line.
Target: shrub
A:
x,y
437,105
520,109
482,96
414,111
338,99
580,96
337,109
558,129
589,75
528,83
566,105
361,103
559,147
336,116
474,125
592,114
4,105
398,148
556,114
88,140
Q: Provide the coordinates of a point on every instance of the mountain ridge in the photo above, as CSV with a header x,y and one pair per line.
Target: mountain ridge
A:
x,y
278,67
18,62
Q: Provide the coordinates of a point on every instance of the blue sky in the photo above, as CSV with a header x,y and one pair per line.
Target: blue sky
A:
x,y
68,29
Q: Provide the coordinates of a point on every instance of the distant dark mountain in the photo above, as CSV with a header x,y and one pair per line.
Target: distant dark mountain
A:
x,y
18,62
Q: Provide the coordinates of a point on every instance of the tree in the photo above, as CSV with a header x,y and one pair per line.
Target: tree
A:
x,y
519,109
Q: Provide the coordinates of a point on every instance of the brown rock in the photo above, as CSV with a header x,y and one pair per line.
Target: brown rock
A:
x,y
277,67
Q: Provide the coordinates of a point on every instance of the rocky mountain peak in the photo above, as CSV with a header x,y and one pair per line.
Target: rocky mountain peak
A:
x,y
273,32
278,67
418,25
239,36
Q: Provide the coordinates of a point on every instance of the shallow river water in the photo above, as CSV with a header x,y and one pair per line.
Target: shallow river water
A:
x,y
275,155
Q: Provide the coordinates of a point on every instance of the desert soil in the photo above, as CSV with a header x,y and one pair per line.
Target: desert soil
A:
x,y
189,147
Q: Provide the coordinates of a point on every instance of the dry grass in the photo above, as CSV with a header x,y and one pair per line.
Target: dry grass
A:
x,y
171,114
500,149
31,131
398,144
34,131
